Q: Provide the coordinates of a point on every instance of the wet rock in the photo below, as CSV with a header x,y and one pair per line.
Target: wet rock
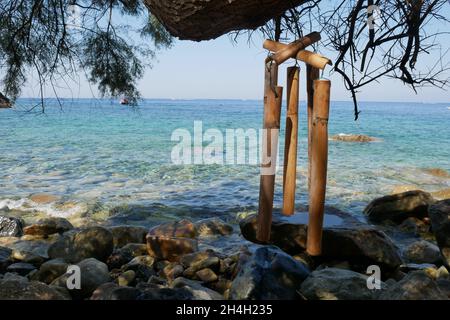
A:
x,y
442,194
416,285
34,252
15,289
5,258
356,243
123,235
268,274
437,172
48,226
126,278
170,248
51,270
43,198
157,293
93,274
10,227
200,260
94,242
444,286
423,252
172,271
440,224
213,227
398,207
142,266
196,289
125,254
21,268
337,284
414,225
353,138
176,229
111,291
207,275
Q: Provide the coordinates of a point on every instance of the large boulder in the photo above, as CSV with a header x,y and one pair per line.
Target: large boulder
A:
x,y
10,227
416,285
123,235
48,226
268,274
23,290
440,223
51,270
423,252
93,242
342,240
398,207
337,284
93,274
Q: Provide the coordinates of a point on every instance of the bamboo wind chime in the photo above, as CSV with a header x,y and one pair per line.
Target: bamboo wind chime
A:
x,y
318,101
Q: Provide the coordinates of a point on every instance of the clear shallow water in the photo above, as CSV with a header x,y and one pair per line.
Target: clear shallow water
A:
x,y
97,151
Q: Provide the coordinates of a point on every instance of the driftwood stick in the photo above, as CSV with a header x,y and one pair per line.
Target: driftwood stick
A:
x,y
291,50
291,141
271,126
319,155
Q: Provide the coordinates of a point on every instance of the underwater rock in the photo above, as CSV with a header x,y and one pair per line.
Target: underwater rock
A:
x,y
48,226
337,284
213,227
44,198
270,274
176,229
353,138
398,207
440,223
10,227
437,172
93,242
122,235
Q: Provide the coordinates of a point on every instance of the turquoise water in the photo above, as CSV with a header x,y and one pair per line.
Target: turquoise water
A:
x,y
98,151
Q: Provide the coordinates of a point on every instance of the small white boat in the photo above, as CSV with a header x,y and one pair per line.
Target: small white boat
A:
x,y
124,101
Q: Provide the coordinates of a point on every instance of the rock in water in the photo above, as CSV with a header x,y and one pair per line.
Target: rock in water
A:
x,y
122,235
359,244
268,274
213,227
10,227
440,223
93,274
423,252
24,290
94,242
399,207
48,226
169,248
416,285
176,229
337,284
353,138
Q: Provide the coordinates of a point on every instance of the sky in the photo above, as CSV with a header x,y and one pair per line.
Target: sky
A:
x,y
223,69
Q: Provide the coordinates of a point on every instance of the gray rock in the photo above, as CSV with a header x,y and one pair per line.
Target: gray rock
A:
x,y
21,268
423,252
268,274
125,254
398,207
10,227
93,274
440,223
444,286
93,242
5,258
142,266
111,291
14,289
48,226
337,284
51,270
123,235
213,227
196,289
417,285
354,242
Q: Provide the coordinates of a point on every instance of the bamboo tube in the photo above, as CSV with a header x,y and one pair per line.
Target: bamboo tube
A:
x,y
311,75
291,140
272,113
293,48
311,58
319,156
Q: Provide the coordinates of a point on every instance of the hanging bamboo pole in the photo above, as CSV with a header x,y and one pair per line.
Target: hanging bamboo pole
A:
x,y
291,141
271,126
293,48
319,157
311,75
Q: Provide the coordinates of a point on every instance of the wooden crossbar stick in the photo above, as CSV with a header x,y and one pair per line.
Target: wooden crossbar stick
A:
x,y
291,50
272,112
291,137
310,58
319,157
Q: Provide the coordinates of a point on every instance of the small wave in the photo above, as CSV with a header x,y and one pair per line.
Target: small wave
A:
x,y
55,209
